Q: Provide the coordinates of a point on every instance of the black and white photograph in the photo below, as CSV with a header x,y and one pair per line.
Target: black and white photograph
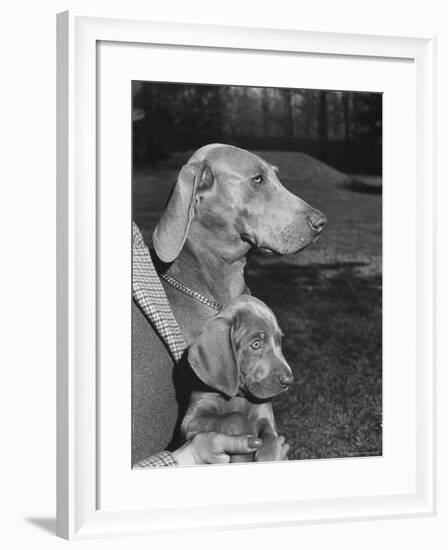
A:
x,y
256,274
224,273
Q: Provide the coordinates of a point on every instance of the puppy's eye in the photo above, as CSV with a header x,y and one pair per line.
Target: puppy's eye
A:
x,y
256,344
258,179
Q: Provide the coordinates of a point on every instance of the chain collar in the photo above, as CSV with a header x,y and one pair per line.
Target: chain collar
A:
x,y
192,293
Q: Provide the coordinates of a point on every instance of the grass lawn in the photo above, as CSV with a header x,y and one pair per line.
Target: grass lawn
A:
x,y
327,300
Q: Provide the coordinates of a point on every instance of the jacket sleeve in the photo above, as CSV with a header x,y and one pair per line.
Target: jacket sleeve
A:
x,y
164,458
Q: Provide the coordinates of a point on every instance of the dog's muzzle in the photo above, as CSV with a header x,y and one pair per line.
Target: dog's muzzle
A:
x,y
317,222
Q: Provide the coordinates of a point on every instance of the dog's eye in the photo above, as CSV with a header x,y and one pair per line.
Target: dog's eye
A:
x,y
256,344
258,179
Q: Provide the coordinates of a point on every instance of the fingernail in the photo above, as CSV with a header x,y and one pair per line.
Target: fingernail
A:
x,y
253,441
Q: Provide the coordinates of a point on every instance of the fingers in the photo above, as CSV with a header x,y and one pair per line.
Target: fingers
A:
x,y
235,444
217,448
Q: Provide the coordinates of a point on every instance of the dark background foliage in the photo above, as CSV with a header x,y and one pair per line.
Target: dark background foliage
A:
x,y
341,128
328,297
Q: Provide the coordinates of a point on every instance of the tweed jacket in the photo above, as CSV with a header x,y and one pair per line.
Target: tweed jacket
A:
x,y
149,294
157,347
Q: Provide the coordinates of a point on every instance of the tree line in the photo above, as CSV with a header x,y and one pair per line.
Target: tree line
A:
x,y
343,129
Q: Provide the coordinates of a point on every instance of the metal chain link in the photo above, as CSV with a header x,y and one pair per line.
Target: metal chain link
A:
x,y
192,293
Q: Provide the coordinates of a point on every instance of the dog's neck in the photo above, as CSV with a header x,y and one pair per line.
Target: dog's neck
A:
x,y
210,271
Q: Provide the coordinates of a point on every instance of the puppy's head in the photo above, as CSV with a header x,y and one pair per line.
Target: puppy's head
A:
x,y
240,348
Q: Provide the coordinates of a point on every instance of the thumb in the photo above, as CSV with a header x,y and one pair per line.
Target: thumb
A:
x,y
235,444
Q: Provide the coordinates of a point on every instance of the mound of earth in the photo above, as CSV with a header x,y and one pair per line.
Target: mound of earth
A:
x,y
302,170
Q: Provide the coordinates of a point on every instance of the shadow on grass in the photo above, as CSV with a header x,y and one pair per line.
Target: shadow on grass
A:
x,y
359,186
331,317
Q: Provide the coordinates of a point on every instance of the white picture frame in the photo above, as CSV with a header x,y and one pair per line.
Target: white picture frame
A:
x,y
78,513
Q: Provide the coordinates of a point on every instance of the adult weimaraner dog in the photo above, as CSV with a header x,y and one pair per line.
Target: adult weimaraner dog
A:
x,y
225,202
238,353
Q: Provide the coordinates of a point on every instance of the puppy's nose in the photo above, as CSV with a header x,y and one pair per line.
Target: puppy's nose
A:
x,y
317,221
286,379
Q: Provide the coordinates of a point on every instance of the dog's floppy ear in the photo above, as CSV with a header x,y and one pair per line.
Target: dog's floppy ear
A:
x,y
213,358
170,233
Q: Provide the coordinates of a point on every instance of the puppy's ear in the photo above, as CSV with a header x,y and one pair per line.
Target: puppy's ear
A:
x,y
213,359
170,233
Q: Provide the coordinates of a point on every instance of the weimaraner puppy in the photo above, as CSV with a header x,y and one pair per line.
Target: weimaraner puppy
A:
x,y
238,357
225,202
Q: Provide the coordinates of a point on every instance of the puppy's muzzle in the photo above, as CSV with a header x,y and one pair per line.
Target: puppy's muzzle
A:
x,y
286,380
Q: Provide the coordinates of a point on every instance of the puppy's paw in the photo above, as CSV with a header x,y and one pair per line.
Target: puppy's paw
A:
x,y
272,449
269,450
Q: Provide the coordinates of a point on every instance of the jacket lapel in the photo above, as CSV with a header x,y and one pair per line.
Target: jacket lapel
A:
x,y
149,294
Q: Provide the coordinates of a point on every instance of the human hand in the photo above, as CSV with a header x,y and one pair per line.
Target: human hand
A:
x,y
215,448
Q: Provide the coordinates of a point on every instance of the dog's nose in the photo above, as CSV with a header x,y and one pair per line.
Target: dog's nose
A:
x,y
286,379
317,221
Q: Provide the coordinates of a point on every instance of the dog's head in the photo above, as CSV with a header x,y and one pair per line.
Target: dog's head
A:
x,y
240,349
231,199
